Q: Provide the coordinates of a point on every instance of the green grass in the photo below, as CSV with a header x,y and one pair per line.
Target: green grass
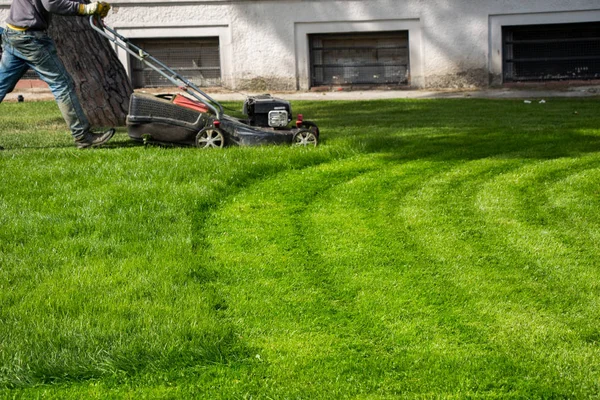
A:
x,y
428,248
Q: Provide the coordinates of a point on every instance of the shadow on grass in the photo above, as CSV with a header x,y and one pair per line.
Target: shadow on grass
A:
x,y
463,129
467,146
119,141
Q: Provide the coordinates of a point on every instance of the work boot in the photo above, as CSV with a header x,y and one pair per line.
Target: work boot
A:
x,y
91,139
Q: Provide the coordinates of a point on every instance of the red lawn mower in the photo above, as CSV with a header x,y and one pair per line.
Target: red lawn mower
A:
x,y
196,119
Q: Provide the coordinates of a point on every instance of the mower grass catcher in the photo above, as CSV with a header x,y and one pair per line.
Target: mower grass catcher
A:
x,y
199,120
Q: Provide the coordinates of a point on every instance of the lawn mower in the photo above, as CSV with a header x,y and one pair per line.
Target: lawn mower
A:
x,y
196,119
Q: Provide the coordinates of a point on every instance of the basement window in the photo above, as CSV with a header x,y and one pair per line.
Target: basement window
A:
x,y
372,58
197,60
551,52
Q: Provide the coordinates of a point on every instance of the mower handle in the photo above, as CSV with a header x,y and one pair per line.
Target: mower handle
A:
x,y
184,84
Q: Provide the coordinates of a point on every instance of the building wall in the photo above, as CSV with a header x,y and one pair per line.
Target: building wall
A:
x,y
264,43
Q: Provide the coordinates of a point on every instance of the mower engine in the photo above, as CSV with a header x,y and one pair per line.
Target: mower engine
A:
x,y
266,111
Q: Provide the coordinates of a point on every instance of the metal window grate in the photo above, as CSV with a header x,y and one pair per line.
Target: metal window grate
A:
x,y
551,52
198,60
360,58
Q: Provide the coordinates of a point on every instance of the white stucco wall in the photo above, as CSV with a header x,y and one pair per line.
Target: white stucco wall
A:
x,y
264,43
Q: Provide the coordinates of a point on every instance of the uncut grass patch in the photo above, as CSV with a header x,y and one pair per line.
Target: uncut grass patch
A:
x,y
428,248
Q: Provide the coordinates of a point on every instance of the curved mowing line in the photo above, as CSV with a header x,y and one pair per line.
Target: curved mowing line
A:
x,y
477,254
310,270
210,205
451,315
475,274
552,247
285,251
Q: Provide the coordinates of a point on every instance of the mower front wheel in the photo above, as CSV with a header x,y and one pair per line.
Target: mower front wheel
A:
x,y
210,138
305,138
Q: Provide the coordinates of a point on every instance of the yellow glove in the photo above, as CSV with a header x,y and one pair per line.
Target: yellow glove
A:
x,y
103,9
100,9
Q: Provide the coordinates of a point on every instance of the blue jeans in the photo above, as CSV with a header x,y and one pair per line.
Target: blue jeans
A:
x,y
36,50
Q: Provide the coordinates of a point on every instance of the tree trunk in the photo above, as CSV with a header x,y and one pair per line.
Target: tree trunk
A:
x,y
100,80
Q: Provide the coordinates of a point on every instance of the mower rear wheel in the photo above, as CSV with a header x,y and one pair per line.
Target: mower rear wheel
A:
x,y
305,137
210,138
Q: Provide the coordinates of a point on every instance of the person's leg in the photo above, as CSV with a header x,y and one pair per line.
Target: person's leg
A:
x,y
38,52
41,56
11,70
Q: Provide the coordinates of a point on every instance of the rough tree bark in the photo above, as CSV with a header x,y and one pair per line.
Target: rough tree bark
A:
x,y
100,79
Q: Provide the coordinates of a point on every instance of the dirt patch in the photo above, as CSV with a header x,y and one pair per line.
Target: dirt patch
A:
x,y
470,79
267,83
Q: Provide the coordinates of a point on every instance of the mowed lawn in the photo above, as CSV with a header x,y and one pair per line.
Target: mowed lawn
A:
x,y
426,249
